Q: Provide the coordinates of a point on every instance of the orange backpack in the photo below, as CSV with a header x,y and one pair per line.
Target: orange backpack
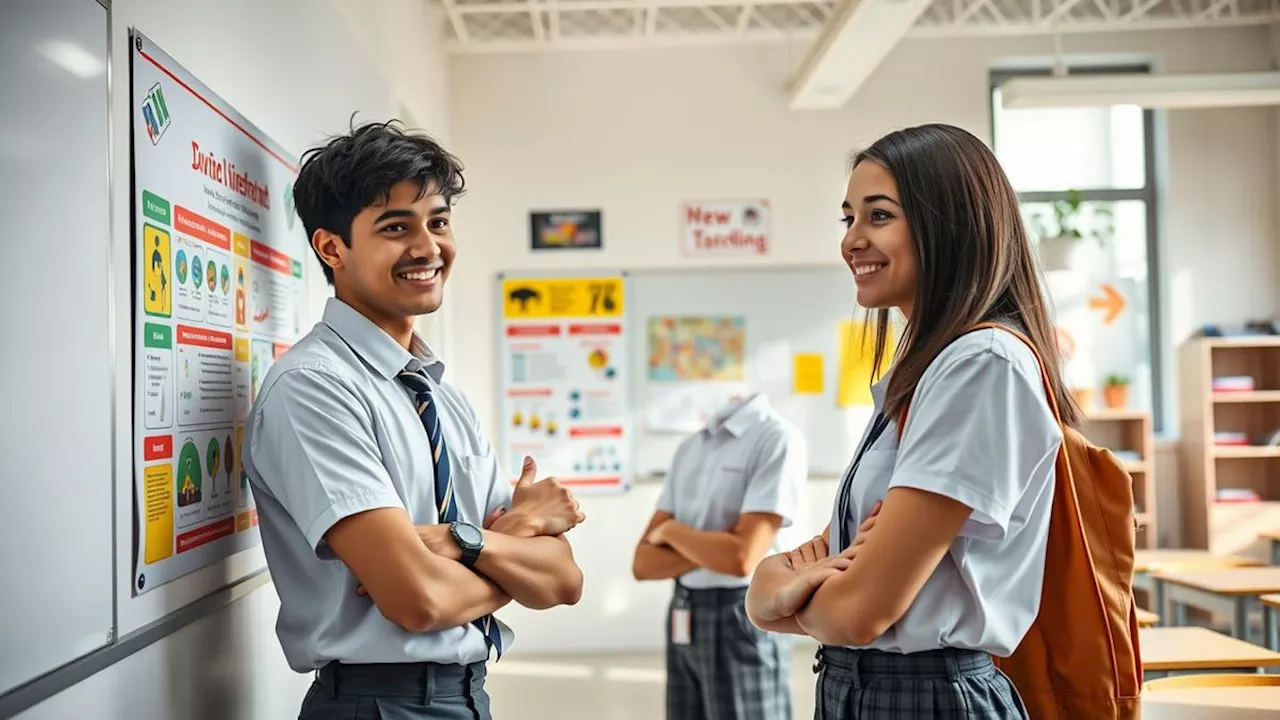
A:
x,y
1081,659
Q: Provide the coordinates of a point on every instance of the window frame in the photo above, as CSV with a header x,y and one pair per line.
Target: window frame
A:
x,y
1148,193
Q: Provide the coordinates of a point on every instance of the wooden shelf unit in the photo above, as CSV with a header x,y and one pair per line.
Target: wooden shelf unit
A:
x,y
1206,468
1131,430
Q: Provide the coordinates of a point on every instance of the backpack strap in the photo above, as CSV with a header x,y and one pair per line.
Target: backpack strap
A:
x,y
1044,374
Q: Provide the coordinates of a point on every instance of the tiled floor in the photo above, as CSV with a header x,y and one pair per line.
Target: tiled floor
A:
x,y
607,687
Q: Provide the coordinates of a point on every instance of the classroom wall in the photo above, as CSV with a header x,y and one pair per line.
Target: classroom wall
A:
x,y
298,69
635,133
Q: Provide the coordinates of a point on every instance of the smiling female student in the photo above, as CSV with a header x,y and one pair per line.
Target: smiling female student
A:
x,y
935,555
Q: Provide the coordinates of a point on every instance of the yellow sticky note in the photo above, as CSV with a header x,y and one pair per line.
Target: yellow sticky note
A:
x,y
857,360
807,378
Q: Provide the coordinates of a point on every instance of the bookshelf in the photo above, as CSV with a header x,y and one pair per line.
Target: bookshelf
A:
x,y
1130,435
1230,474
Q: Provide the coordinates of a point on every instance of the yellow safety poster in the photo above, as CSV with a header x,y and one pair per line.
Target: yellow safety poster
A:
x,y
857,341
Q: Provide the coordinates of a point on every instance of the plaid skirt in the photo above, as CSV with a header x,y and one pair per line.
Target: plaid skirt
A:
x,y
731,670
946,684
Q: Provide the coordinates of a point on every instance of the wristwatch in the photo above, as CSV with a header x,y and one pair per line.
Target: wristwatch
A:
x,y
470,539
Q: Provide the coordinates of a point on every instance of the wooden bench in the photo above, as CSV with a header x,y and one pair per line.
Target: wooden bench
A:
x,y
1188,649
1147,563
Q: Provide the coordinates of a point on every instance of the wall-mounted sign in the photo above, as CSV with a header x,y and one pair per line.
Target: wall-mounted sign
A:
x,y
725,227
565,230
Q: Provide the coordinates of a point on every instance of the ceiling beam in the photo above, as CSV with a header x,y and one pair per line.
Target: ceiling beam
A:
x,y
857,36
509,6
458,23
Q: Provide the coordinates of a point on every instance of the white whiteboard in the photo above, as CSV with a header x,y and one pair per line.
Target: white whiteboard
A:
x,y
787,311
56,534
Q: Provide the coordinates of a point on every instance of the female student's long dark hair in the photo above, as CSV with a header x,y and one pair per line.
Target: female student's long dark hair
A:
x,y
974,259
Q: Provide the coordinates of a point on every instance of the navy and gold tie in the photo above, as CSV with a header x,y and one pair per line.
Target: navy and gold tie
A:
x,y
446,503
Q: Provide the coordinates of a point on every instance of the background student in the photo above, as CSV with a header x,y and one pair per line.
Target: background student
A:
x,y
731,488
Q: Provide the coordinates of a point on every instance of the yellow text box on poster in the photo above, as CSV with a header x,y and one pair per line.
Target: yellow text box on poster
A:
x,y
558,298
242,350
157,273
241,244
157,485
857,362
808,375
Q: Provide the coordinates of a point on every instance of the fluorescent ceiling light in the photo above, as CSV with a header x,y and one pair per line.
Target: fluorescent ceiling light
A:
x,y
857,38
72,58
1202,90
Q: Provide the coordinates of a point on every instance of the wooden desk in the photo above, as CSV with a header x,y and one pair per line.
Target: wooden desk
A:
x,y
1273,536
1175,649
1146,563
1271,620
1236,703
1231,591
1147,619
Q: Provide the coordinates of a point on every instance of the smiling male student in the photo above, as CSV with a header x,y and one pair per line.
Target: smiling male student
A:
x,y
391,532
732,487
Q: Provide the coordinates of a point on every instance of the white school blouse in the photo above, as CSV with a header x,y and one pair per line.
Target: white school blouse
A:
x,y
980,431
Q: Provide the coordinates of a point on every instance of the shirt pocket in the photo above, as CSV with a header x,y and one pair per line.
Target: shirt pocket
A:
x,y
471,485
726,491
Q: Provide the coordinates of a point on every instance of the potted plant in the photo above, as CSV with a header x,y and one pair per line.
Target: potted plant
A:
x,y
1115,391
1061,235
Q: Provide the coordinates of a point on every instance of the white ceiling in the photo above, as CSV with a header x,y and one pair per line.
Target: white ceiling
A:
x,y
558,25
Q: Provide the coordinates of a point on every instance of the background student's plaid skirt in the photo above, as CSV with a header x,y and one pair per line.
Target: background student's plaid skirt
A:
x,y
731,670
946,684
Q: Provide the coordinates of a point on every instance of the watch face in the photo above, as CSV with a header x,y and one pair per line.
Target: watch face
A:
x,y
468,534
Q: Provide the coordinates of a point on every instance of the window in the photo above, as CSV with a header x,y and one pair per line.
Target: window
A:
x,y
1085,176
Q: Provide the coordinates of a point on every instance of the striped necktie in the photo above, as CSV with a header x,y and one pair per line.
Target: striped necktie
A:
x,y
446,503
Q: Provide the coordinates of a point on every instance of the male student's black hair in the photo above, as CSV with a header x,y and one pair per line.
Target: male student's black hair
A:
x,y
352,171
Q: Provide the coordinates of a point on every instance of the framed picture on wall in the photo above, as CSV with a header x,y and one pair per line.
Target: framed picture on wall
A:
x,y
566,230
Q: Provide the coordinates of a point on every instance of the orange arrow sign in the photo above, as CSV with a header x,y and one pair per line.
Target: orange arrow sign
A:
x,y
1111,302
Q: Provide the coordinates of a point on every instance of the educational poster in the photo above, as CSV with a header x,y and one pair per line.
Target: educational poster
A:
x,y
564,380
697,348
696,364
217,296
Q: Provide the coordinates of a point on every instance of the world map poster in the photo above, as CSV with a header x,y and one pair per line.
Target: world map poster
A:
x,y
683,349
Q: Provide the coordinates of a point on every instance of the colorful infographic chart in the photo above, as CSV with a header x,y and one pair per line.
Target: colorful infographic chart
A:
x,y
565,380
217,295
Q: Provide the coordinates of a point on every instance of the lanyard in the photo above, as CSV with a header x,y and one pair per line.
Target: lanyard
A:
x,y
842,507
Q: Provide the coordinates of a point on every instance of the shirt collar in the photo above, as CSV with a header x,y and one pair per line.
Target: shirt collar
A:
x,y
378,349
879,388
738,419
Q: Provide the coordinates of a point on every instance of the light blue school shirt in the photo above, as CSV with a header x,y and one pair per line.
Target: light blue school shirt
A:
x,y
334,433
748,459
979,431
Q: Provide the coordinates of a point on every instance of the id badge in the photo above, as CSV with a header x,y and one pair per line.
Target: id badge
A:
x,y
681,622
